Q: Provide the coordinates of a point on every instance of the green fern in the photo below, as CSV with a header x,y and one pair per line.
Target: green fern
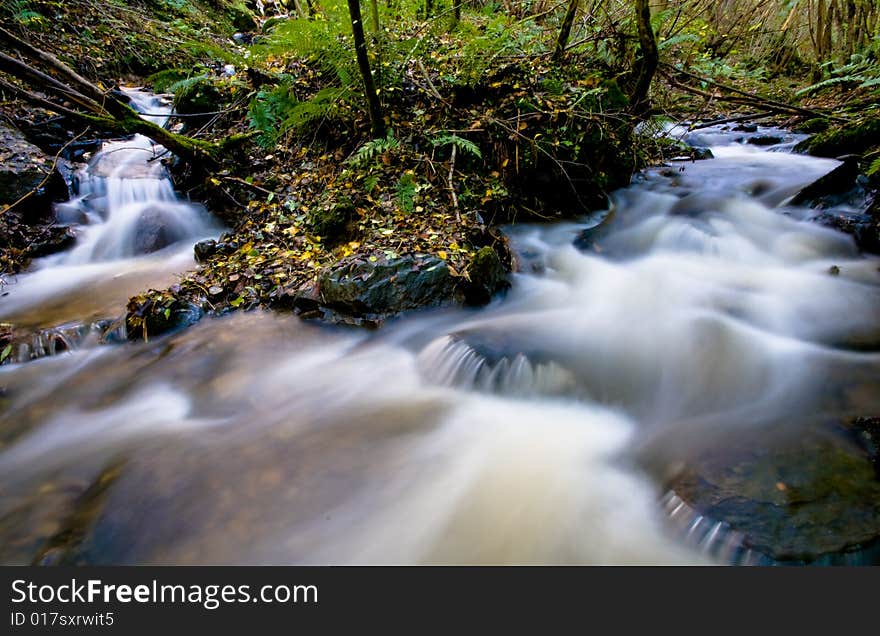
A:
x,y
465,146
371,149
406,191
184,87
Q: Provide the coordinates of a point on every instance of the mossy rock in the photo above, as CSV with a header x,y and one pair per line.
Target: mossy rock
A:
x,y
854,138
202,96
155,313
486,275
813,126
363,288
331,224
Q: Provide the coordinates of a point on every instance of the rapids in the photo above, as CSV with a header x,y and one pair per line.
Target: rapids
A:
x,y
700,311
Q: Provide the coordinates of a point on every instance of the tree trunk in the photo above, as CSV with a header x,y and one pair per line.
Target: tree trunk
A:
x,y
646,65
565,30
374,16
360,48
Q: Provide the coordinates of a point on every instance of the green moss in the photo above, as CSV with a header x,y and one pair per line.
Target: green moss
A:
x,y
487,276
854,138
332,223
813,126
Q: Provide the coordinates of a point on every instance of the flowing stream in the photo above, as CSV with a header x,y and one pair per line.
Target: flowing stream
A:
x,y
700,319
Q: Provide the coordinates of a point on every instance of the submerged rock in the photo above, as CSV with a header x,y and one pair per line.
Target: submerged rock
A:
x,y
811,500
765,140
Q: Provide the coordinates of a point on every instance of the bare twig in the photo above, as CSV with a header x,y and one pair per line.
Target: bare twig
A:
x,y
452,185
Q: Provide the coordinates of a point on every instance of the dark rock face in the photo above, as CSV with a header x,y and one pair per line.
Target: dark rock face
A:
x,y
24,168
152,232
746,128
765,140
865,228
363,288
843,197
840,180
815,499
56,238
486,276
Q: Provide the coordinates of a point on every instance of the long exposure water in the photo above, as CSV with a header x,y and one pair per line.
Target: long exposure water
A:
x,y
700,313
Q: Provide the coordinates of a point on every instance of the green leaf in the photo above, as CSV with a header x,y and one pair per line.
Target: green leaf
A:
x,y
6,352
466,146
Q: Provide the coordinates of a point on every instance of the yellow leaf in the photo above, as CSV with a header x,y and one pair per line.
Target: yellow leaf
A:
x,y
442,254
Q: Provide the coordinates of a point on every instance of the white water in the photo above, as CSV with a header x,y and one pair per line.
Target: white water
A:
x,y
537,430
125,208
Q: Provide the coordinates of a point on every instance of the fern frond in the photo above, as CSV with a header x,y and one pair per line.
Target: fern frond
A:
x,y
465,146
371,149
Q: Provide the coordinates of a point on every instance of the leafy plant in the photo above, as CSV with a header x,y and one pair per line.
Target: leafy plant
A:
x,y
406,191
372,148
465,146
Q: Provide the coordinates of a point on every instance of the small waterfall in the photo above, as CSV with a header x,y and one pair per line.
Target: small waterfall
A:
x,y
133,234
126,204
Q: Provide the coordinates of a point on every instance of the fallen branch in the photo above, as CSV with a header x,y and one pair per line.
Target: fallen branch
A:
x,y
732,120
92,104
751,96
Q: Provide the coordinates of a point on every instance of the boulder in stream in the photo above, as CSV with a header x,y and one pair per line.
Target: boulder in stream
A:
x,y
358,287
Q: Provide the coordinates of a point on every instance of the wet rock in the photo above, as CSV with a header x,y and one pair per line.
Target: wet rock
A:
x,y
765,140
840,180
153,231
155,313
486,275
864,228
23,169
70,213
205,249
674,150
746,128
811,500
867,433
358,288
55,239
698,204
